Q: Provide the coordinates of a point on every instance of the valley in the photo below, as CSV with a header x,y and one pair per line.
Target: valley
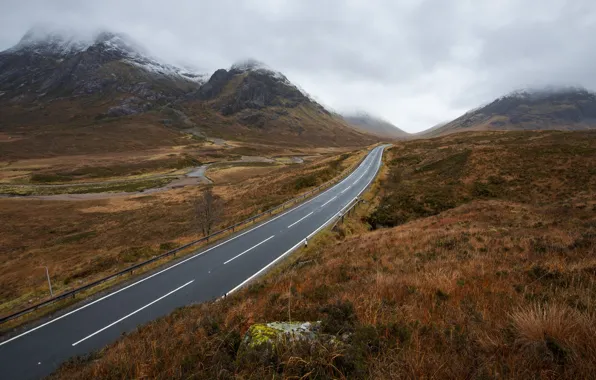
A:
x,y
485,266
304,236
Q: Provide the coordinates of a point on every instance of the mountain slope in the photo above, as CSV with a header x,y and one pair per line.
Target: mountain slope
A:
x,y
261,104
55,64
376,126
561,109
62,93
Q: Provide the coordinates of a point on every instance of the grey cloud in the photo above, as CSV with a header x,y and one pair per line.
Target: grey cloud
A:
x,y
413,62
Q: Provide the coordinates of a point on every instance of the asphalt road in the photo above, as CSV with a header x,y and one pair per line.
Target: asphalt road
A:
x,y
207,274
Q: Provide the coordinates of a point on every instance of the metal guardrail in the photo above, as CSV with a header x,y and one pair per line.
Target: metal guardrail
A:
x,y
340,217
131,269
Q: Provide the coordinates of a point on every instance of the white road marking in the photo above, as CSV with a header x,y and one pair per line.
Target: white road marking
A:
x,y
133,313
300,220
346,189
325,204
265,267
251,248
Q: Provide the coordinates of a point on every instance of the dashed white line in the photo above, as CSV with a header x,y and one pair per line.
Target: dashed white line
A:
x,y
329,201
133,313
300,220
250,249
346,189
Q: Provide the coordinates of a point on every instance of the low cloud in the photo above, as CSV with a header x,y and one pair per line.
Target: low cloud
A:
x,y
413,62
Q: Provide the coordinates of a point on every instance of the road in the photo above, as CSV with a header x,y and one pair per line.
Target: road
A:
x,y
207,274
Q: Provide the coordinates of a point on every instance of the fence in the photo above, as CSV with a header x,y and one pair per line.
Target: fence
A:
x,y
131,269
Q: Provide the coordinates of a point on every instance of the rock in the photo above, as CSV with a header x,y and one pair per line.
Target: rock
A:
x,y
259,334
261,341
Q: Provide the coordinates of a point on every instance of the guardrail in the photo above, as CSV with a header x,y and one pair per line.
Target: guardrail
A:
x,y
131,269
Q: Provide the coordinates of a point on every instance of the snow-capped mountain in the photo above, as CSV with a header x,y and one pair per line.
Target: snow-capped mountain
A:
x,y
59,63
255,86
59,42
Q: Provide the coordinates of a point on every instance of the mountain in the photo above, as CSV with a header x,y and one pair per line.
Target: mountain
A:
x,y
375,126
102,92
50,64
266,105
567,108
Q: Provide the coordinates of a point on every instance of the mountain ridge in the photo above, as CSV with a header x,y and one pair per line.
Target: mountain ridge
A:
x,y
375,125
548,108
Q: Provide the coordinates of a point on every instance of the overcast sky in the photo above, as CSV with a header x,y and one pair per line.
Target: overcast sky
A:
x,y
413,62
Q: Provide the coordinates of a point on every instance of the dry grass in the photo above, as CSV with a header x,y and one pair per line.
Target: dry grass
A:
x,y
491,287
83,240
232,175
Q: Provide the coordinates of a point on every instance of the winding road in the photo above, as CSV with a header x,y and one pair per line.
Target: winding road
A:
x,y
205,275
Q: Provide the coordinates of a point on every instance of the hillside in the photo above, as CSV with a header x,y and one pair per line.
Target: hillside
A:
x,y
375,126
481,266
65,94
566,109
263,105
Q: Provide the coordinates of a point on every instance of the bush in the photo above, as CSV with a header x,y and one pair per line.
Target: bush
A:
x,y
339,318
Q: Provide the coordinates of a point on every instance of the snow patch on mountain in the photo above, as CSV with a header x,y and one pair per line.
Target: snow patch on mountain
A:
x,y
64,42
260,67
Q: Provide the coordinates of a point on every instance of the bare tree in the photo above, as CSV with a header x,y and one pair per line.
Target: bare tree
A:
x,y
209,210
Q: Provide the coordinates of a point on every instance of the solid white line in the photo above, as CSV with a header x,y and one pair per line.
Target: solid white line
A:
x,y
172,266
265,267
250,249
330,200
329,220
300,220
133,313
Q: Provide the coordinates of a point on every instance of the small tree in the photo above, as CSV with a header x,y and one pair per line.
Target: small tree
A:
x,y
209,210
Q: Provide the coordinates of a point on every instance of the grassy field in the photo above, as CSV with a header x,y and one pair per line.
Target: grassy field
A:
x,y
83,240
481,265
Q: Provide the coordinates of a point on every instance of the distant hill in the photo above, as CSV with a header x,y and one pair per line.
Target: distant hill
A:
x,y
375,126
558,108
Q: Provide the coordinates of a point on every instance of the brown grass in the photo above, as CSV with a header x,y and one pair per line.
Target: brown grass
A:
x,y
491,287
